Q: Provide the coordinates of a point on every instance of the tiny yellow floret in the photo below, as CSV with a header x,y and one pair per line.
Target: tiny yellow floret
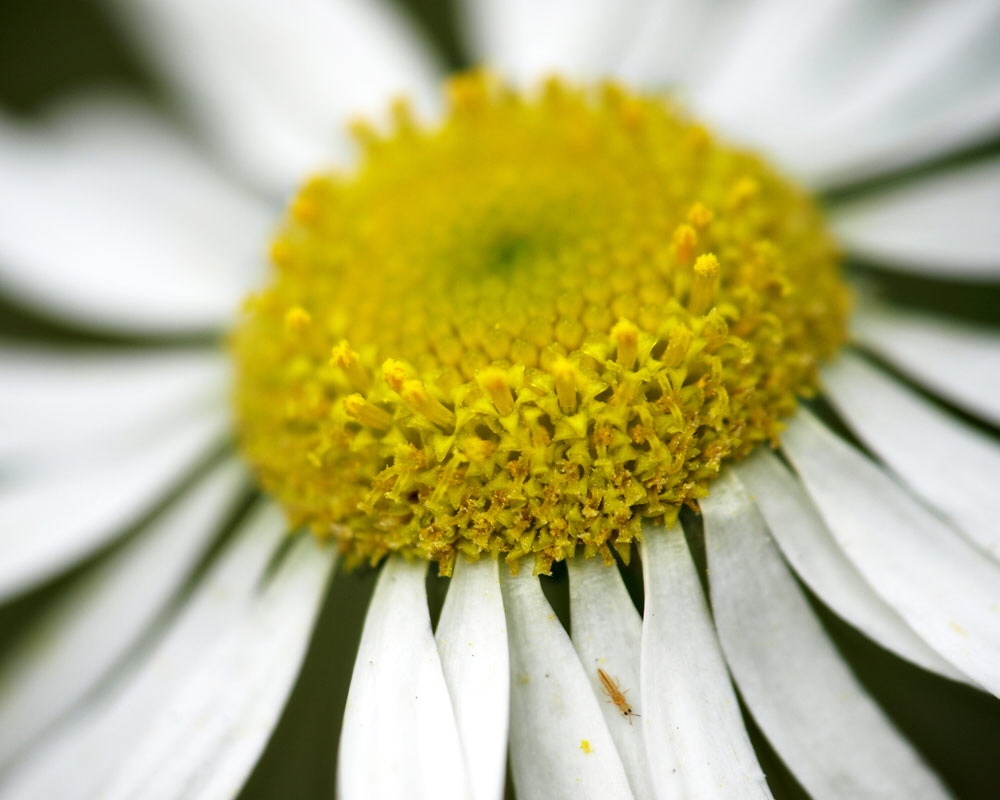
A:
x,y
297,319
523,330
700,215
706,276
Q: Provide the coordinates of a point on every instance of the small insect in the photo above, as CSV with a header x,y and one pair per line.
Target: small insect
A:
x,y
616,695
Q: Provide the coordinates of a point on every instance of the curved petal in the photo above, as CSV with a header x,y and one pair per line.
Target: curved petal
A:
x,y
274,85
56,406
581,39
818,560
678,42
213,730
951,465
97,622
957,361
692,719
926,84
947,590
472,642
55,519
83,752
113,222
944,226
826,728
777,47
560,745
399,736
607,634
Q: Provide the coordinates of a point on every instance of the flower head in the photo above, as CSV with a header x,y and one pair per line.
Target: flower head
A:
x,y
529,328
547,320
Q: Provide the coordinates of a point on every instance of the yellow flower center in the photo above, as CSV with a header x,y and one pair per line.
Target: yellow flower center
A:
x,y
529,327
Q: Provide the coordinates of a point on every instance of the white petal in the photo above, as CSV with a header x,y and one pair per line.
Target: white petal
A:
x,y
775,47
581,39
56,405
929,42
692,720
971,117
76,760
678,42
826,728
951,465
399,737
112,221
607,634
943,226
818,560
927,85
210,734
946,589
55,519
957,361
560,745
274,84
472,642
100,619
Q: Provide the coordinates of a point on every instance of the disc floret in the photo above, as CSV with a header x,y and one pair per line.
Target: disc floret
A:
x,y
525,329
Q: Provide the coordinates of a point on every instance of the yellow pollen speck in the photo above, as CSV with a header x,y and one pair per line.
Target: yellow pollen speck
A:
x,y
585,746
529,327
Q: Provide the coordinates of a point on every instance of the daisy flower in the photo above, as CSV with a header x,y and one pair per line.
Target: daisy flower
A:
x,y
526,319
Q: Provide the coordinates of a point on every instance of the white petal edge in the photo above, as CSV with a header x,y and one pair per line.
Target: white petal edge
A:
x,y
471,638
210,734
692,719
56,405
606,631
525,40
943,226
949,464
827,729
818,560
54,520
76,761
273,86
946,589
971,118
112,221
399,735
96,623
560,745
956,361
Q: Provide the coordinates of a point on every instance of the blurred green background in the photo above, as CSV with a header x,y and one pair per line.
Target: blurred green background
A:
x,y
49,48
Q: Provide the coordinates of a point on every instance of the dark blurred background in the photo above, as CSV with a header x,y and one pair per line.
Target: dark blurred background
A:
x,y
49,48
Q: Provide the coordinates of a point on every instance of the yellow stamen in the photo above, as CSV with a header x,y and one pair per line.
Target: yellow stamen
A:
x,y
344,357
364,412
494,382
706,276
415,395
565,377
625,335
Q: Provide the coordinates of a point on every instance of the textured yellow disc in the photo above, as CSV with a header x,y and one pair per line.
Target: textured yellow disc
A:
x,y
529,327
